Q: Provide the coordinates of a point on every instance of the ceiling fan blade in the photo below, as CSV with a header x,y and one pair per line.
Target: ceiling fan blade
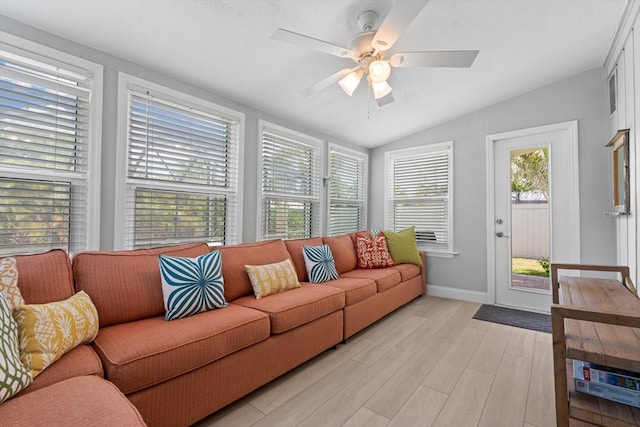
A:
x,y
401,15
326,82
309,42
387,99
452,58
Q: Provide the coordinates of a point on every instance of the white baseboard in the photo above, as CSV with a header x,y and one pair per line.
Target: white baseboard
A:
x,y
456,293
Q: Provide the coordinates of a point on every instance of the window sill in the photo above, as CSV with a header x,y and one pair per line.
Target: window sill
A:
x,y
439,254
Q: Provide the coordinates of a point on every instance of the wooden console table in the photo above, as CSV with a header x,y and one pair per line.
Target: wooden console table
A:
x,y
593,320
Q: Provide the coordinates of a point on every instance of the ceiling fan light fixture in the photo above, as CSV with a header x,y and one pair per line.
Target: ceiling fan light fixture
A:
x,y
379,71
380,89
351,81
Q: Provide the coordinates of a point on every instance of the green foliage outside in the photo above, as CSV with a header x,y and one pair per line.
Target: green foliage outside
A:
x,y
530,172
529,267
544,263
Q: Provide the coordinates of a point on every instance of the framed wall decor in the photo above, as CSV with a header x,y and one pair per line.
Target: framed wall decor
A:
x,y
613,97
621,183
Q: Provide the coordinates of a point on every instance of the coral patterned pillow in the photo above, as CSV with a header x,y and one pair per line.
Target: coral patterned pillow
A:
x,y
373,253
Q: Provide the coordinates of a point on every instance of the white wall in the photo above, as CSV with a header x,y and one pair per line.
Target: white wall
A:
x,y
576,98
579,97
112,66
624,57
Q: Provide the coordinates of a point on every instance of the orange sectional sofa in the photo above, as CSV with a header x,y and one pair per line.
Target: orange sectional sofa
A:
x,y
72,391
177,372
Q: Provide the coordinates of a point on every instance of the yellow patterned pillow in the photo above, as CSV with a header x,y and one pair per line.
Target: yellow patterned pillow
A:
x,y
9,282
272,278
48,331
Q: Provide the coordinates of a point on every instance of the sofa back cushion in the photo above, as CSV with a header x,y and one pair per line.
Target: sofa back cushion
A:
x,y
344,252
295,251
235,257
45,277
126,285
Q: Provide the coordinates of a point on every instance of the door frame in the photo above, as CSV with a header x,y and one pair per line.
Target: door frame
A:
x,y
572,128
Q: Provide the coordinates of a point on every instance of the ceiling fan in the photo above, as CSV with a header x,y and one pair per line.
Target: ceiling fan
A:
x,y
369,48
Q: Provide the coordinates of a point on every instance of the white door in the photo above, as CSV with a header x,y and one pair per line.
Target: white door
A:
x,y
518,290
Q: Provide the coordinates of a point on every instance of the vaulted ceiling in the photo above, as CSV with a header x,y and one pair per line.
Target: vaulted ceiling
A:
x,y
225,46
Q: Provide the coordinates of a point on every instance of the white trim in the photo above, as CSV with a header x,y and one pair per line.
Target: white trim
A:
x,y
448,146
52,56
95,72
623,32
532,310
128,82
95,160
457,293
331,146
348,151
300,137
572,128
439,254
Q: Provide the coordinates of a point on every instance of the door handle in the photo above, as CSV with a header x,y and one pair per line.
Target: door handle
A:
x,y
501,234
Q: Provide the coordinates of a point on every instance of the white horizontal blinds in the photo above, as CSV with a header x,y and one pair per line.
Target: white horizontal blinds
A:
x,y
170,142
290,187
168,216
182,173
420,196
347,193
44,141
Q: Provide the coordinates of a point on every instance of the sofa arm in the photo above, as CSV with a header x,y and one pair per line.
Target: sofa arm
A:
x,y
79,401
423,271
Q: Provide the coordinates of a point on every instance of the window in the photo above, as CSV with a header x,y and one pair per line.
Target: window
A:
x,y
181,179
289,200
50,112
419,192
347,190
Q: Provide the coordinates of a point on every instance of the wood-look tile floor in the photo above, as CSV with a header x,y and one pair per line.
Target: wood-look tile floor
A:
x,y
427,364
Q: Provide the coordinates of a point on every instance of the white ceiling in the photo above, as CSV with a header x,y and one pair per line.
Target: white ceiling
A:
x,y
225,46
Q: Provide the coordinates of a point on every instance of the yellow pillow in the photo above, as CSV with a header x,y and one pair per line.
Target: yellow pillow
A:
x,y
48,331
272,278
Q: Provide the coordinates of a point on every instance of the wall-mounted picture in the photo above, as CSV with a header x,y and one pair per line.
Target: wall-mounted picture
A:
x,y
612,93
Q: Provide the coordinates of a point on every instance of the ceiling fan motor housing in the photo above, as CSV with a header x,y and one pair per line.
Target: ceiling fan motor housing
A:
x,y
361,45
367,20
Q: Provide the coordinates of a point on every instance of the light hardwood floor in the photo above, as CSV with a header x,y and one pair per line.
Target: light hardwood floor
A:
x,y
427,364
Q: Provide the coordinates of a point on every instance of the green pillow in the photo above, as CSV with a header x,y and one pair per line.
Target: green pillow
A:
x,y
402,246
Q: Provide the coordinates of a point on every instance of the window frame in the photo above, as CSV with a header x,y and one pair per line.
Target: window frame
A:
x,y
91,179
424,150
317,144
124,210
362,198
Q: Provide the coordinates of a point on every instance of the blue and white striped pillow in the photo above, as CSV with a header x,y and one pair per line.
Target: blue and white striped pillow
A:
x,y
320,264
191,285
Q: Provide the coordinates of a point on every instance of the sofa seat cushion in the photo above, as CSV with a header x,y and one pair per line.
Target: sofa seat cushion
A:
x,y
385,278
80,361
139,354
407,271
76,402
296,307
355,289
